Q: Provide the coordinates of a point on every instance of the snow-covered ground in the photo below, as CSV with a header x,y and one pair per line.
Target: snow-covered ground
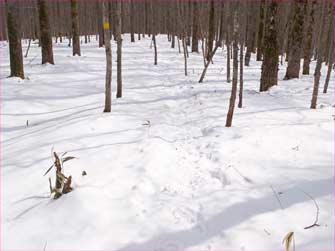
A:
x,y
184,182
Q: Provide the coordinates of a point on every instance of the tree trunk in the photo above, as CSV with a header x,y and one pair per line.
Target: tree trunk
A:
x,y
195,27
259,54
308,39
221,25
132,13
269,75
207,63
203,51
15,48
185,56
251,32
242,41
119,48
330,67
240,94
173,42
153,31
296,35
155,47
210,31
235,73
317,72
330,52
108,88
45,33
28,48
75,28
100,21
228,59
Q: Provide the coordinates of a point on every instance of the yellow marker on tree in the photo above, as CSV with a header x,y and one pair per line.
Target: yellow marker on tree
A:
x,y
106,25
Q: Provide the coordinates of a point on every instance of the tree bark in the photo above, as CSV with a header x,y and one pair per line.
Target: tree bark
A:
x,y
330,67
296,35
75,28
235,73
119,49
195,26
210,30
185,56
26,55
269,75
259,54
308,39
228,59
317,72
108,80
251,32
242,41
15,48
155,48
207,64
101,21
45,33
330,51
132,13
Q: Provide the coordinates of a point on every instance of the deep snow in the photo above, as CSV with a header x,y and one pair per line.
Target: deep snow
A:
x,y
185,181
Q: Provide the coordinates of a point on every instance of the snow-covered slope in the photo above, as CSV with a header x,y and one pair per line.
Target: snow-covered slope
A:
x,y
183,182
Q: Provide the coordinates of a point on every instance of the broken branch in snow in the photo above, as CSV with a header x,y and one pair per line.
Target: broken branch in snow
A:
x,y
246,179
276,195
315,223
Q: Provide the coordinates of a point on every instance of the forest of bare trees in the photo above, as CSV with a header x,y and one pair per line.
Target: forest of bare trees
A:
x,y
274,30
190,124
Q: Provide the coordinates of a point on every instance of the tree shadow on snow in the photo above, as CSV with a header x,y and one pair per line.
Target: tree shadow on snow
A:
x,y
234,215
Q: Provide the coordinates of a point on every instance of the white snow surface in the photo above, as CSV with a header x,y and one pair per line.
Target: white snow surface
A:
x,y
186,182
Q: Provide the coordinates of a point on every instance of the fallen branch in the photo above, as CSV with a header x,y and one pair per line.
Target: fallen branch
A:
x,y
276,195
315,223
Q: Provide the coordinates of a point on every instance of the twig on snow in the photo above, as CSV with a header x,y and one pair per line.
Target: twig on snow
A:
x,y
315,223
276,195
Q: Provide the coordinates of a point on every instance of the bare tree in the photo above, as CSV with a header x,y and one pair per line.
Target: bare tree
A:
x,y
235,72
154,32
296,35
317,72
227,8
15,48
309,37
242,41
100,21
119,48
330,55
260,34
195,26
250,30
45,33
75,28
132,20
108,80
210,30
207,63
269,75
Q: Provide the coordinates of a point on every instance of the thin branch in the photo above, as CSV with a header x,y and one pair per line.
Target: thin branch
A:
x,y
315,223
277,197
